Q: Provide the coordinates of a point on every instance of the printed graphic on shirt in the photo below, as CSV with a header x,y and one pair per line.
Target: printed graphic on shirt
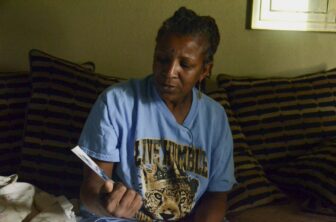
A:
x,y
169,192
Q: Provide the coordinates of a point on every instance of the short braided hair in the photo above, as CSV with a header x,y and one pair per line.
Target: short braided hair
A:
x,y
186,22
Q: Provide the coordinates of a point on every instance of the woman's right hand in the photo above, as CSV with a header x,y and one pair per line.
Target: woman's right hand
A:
x,y
105,198
119,201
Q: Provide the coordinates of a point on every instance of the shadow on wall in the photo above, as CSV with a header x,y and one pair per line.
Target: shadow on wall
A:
x,y
248,14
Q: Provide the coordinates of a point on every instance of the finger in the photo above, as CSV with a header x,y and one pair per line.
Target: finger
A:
x,y
104,193
128,198
123,209
114,197
137,202
129,204
135,205
107,186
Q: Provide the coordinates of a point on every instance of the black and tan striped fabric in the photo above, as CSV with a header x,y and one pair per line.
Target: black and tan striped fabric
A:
x,y
313,175
283,117
14,96
253,188
62,96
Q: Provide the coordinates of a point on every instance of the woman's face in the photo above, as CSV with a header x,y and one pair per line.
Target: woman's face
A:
x,y
179,65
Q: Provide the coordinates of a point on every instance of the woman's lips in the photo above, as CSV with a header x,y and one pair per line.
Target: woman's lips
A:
x,y
167,87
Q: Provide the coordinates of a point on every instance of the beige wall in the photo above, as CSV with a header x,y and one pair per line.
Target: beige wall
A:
x,y
118,35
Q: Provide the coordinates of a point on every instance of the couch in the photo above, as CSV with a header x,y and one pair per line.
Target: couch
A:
x,y
283,130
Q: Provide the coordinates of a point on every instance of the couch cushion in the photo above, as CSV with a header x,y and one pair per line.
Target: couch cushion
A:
x,y
253,188
62,95
14,96
283,117
313,175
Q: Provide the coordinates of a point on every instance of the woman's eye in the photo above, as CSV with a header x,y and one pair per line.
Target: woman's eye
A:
x,y
185,65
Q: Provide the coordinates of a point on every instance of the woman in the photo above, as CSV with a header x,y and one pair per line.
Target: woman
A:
x,y
160,135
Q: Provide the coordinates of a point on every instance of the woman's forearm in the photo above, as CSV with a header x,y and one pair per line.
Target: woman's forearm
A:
x,y
90,200
211,208
90,189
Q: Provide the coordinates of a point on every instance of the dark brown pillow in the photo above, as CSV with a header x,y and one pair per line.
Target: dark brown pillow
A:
x,y
14,96
282,118
62,95
253,188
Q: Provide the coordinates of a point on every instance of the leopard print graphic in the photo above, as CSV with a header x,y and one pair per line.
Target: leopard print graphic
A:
x,y
168,192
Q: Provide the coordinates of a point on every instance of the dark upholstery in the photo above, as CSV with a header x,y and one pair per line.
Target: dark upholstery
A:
x,y
313,176
14,96
282,118
62,95
253,188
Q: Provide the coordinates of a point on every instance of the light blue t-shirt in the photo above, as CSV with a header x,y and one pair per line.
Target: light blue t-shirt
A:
x,y
170,164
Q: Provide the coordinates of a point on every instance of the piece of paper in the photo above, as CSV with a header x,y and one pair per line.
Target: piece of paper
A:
x,y
90,163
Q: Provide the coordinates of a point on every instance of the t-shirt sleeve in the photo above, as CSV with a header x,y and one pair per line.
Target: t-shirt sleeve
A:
x,y
222,165
99,138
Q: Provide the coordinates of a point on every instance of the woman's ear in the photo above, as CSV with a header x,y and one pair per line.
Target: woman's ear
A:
x,y
206,71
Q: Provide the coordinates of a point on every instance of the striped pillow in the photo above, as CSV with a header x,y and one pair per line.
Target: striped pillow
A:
x,y
253,188
14,96
283,117
62,96
314,176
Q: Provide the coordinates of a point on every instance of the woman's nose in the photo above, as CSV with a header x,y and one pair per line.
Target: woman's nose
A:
x,y
172,70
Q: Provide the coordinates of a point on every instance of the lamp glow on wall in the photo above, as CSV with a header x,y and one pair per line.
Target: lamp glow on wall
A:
x,y
301,15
